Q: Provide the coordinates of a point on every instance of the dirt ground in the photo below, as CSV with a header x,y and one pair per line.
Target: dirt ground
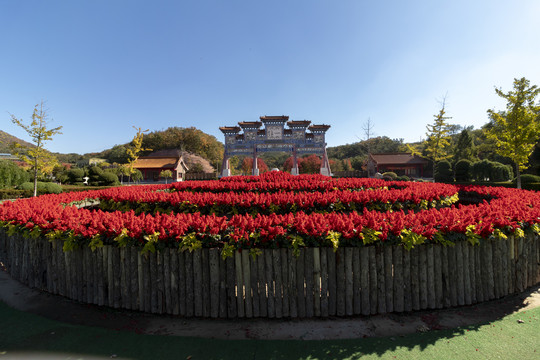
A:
x,y
61,309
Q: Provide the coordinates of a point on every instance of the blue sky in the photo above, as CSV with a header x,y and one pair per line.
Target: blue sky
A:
x,y
105,66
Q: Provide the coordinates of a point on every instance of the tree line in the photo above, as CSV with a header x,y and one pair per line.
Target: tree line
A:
x,y
504,147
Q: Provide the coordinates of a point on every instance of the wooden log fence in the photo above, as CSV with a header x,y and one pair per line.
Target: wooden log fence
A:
x,y
277,284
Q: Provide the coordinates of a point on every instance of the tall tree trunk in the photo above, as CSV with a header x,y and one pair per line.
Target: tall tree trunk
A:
x,y
35,177
518,177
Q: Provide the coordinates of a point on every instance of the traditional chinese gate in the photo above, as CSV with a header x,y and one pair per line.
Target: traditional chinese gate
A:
x,y
275,137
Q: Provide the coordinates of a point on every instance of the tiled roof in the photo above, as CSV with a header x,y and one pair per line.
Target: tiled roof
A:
x,y
319,127
156,163
226,129
298,122
281,117
397,158
250,124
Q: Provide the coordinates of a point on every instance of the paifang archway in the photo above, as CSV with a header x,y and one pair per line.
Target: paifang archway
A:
x,y
275,137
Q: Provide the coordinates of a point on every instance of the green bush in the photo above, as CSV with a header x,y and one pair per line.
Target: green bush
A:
x,y
389,175
108,179
528,179
11,174
481,170
12,194
75,176
443,172
95,174
492,171
403,178
500,172
42,187
463,170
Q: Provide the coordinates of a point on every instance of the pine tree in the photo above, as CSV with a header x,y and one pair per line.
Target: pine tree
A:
x,y
464,148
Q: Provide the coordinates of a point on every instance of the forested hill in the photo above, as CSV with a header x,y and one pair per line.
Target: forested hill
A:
x,y
186,139
6,140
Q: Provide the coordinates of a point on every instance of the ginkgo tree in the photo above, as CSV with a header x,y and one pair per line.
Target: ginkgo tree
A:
x,y
517,130
134,151
40,160
437,145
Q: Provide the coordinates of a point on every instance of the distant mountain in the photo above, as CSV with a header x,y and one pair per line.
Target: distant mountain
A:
x,y
6,140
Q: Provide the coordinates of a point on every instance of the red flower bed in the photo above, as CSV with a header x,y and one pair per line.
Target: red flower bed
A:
x,y
336,198
509,212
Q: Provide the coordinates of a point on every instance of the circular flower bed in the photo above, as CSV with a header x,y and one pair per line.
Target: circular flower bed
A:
x,y
275,210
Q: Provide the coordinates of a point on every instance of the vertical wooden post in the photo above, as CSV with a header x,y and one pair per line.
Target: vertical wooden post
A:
x,y
497,268
407,287
222,286
308,276
278,299
285,282
190,283
430,266
293,286
246,275
231,287
332,285
389,278
489,268
316,281
466,273
175,303
398,278
437,267
511,264
381,287
472,271
100,276
364,280
357,297
373,290
167,297
124,278
263,284
183,286
415,278
301,300
155,281
205,268
213,256
253,263
239,284
324,282
340,280
349,287
268,259
460,289
453,274
480,281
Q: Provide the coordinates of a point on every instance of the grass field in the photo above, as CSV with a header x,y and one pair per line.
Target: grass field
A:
x,y
24,335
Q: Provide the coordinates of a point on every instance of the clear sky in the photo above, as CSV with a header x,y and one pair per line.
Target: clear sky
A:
x,y
104,66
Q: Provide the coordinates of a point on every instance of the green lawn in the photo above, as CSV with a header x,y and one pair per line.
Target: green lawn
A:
x,y
23,333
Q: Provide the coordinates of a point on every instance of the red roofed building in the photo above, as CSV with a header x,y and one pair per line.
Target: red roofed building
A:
x,y
153,164
399,163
